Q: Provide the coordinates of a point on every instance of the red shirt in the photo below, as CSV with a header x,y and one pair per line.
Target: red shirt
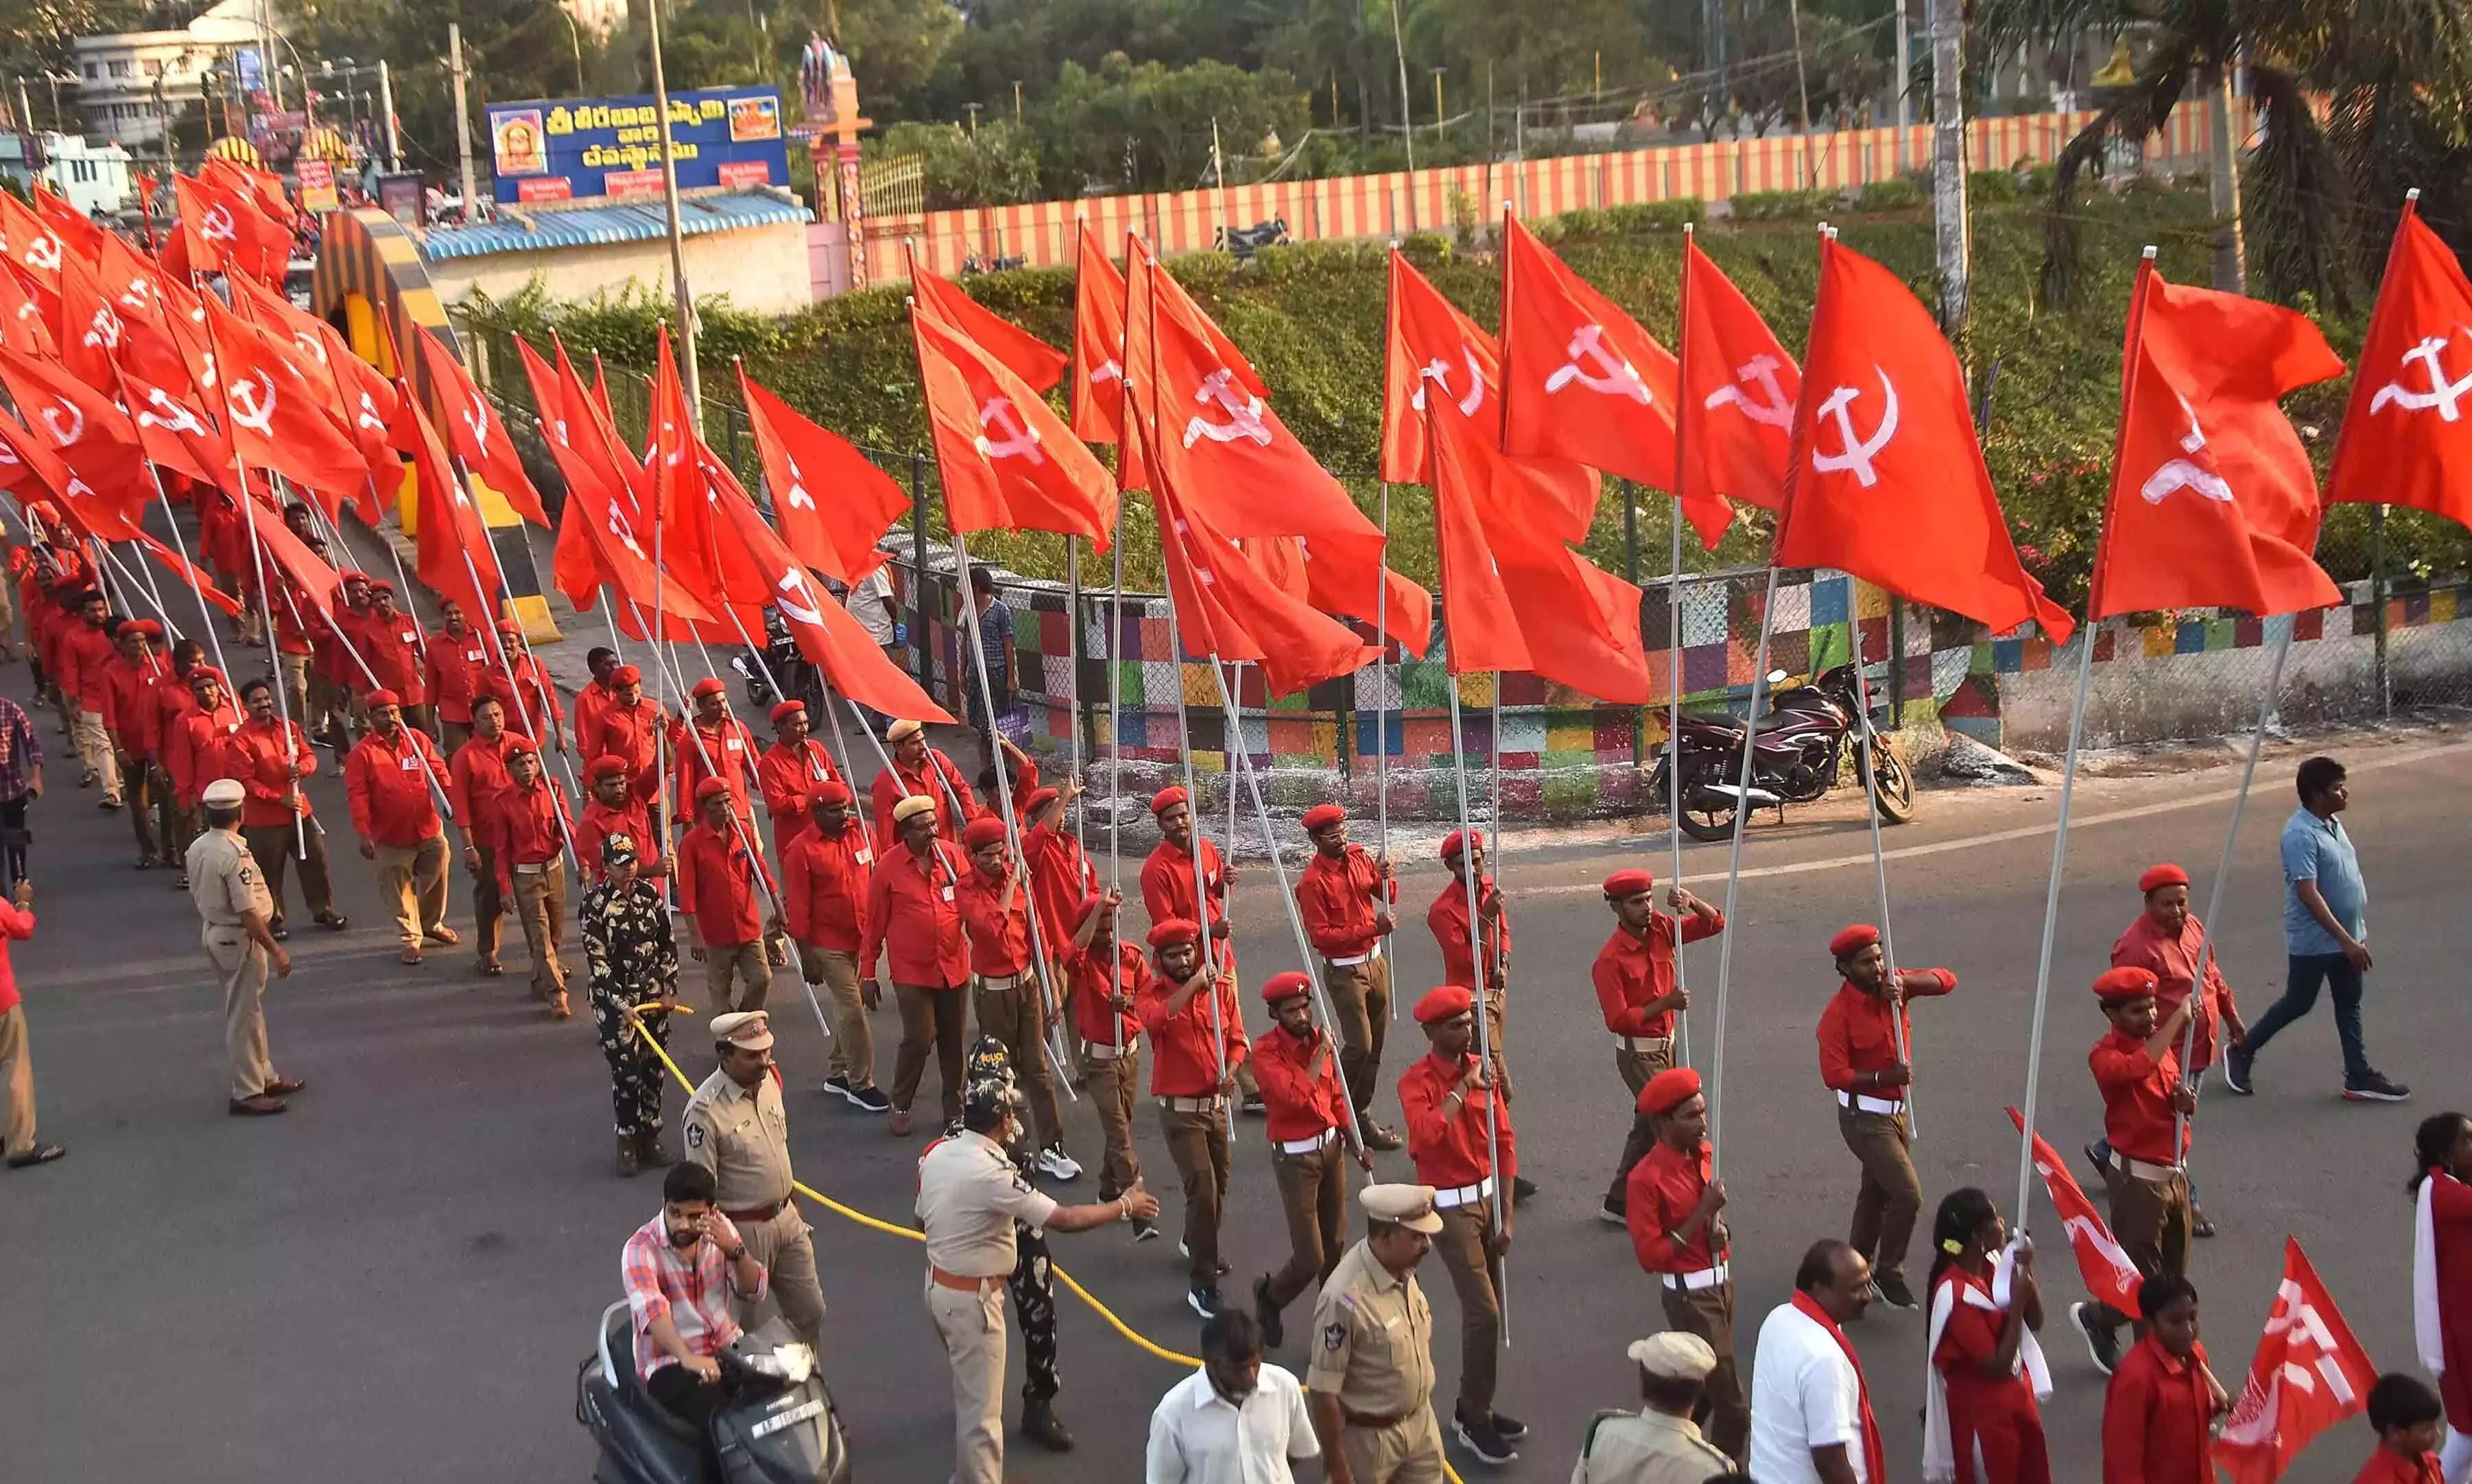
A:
x,y
389,787
1448,920
1060,876
1300,1104
196,748
1663,1191
391,650
629,732
456,664
1166,889
824,885
591,704
999,934
1450,1150
474,783
698,752
1186,1046
1336,898
896,782
913,918
2386,1466
2154,1416
2173,962
1630,972
85,656
2137,1112
14,923
128,700
538,714
525,824
1088,970
262,755
717,886
1856,1036
633,820
786,776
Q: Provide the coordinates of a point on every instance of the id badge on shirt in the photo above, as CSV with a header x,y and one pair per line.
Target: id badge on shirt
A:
x,y
409,636
736,745
473,656
411,763
948,891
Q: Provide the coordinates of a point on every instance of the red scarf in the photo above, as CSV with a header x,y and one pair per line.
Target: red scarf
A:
x,y
1876,1455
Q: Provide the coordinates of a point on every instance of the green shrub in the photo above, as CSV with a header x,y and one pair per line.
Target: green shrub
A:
x,y
1784,205
1896,194
2039,180
1658,216
1428,250
1991,185
1585,222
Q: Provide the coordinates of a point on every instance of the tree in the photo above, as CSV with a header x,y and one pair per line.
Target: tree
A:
x,y
994,165
1147,127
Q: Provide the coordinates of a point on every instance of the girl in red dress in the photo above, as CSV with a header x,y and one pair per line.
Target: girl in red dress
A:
x,y
1982,1424
2442,1275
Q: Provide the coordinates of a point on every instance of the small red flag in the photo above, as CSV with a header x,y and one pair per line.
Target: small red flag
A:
x,y
1008,462
2213,502
456,559
81,426
2406,435
1582,380
1229,610
1887,481
261,188
1737,398
1098,342
2102,1262
23,326
830,500
279,417
477,434
224,231
31,245
1036,362
2308,1374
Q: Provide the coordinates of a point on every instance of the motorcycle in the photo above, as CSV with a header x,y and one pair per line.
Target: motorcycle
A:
x,y
780,661
1243,242
779,1426
1798,751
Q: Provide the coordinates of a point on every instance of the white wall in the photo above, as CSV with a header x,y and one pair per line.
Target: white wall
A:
x,y
762,270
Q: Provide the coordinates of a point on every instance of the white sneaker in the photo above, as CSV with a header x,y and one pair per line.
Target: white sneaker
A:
x,y
1057,1164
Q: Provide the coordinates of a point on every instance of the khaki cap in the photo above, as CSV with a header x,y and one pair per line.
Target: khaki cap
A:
x,y
224,793
1674,1355
749,1030
901,731
911,808
1410,1206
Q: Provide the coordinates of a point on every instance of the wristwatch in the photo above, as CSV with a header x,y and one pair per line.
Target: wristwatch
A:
x,y
733,1256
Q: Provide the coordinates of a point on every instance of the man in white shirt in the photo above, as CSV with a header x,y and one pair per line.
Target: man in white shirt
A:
x,y
1811,1414
1235,1420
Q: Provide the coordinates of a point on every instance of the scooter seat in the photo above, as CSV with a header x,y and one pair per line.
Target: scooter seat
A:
x,y
630,1385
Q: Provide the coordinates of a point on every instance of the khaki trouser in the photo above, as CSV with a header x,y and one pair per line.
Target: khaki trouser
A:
x,y
94,750
1313,1192
1017,1017
787,1252
1407,1453
241,966
1892,1195
17,1075
172,822
273,845
1462,1244
853,1055
296,687
2150,1219
1198,1143
412,880
138,787
1497,1033
932,1017
1115,1083
743,962
488,906
972,1327
1360,996
540,903
1709,1313
1636,1067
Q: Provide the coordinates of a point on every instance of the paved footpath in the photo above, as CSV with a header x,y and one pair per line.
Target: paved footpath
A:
x,y
397,1279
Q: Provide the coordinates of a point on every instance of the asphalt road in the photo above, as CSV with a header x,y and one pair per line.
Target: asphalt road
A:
x,y
397,1279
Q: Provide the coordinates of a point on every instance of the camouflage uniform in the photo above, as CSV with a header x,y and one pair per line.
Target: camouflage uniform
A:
x,y
634,957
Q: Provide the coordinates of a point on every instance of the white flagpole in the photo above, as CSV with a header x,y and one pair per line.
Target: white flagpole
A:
x,y
1116,741
1734,879
2052,923
1674,788
1073,673
1880,867
1382,707
1193,810
1484,1041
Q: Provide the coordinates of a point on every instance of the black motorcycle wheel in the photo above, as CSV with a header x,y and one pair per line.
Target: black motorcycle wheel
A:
x,y
1895,786
1706,815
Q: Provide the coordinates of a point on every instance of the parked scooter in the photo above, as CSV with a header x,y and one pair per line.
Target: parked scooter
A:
x,y
1800,750
780,1427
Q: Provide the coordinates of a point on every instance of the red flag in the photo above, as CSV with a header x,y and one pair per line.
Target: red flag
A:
x,y
1036,362
176,434
447,528
1008,462
155,317
2406,435
2309,1373
77,501
189,575
683,522
356,394
224,231
310,576
261,188
478,435
830,500
2102,1262
1228,608
2213,502
583,422
1098,342
1736,400
1436,357
23,326
31,245
1580,379
1887,480
277,417
80,237
82,426
91,331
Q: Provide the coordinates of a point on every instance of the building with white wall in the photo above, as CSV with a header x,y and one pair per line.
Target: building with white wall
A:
x,y
118,75
90,176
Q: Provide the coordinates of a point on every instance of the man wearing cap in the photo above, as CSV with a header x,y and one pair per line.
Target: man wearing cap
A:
x,y
270,756
1659,1444
1865,1059
631,953
2145,1107
527,833
718,876
128,680
1345,895
713,744
455,672
173,704
1459,1134
1197,1043
919,772
616,807
596,697
1447,919
824,874
1370,1382
790,771
193,749
627,725
1060,877
388,778
1168,894
292,646
736,1127
477,781
531,706
85,650
1295,1066
1007,991
334,680
914,919
1639,992
232,906
1679,1231
1107,975
391,645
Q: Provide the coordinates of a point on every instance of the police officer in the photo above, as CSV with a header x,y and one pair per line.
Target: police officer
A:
x,y
233,903
736,1128
1658,1443
1371,1379
971,1200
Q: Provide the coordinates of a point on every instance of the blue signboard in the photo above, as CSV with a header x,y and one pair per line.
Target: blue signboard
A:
x,y
578,148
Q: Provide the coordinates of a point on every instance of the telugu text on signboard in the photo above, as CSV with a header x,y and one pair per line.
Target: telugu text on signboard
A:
x,y
605,147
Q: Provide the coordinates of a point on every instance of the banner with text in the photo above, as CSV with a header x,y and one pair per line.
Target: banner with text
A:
x,y
581,148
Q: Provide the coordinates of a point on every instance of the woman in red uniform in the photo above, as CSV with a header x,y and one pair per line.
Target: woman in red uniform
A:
x,y
1982,1424
2442,1275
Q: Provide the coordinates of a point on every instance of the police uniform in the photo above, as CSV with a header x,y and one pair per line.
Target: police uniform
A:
x,y
1032,1284
1649,1446
743,1136
226,883
1373,1351
970,1196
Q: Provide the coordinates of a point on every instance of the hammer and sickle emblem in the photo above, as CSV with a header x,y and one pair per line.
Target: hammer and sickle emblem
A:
x,y
1614,376
2442,395
2180,474
1858,452
104,331
168,414
206,371
252,400
797,494
1244,415
139,296
1106,372
44,252
796,599
1020,439
477,418
310,346
367,417
1438,371
218,225
625,532
65,430
1771,410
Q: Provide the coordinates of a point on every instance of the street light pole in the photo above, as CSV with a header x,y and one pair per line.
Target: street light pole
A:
x,y
677,235
386,102
463,115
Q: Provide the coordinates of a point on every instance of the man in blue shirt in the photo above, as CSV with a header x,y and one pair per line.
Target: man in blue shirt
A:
x,y
2325,930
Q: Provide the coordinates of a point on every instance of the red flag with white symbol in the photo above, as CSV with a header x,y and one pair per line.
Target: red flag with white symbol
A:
x,y
24,328
2213,501
356,394
830,500
1581,378
42,468
456,559
2102,1262
1008,462
311,577
476,433
1738,391
262,188
32,246
81,427
2309,1373
176,433
278,418
1229,610
1887,480
584,424
1038,363
222,231
2406,435
684,539
153,319
1098,342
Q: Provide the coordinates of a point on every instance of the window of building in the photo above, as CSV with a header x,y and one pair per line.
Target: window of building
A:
x,y
120,66
92,72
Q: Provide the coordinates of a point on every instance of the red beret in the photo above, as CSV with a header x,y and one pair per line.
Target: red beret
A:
x,y
1322,816
709,684
1089,905
2164,875
711,786
377,698
788,709
1627,883
1853,940
41,509
626,674
353,575
1279,987
985,830
606,767
517,741
831,791
2129,984
1038,799
1455,844
1669,1090
511,628
152,628
207,670
1167,798
1441,1005
1173,930
379,584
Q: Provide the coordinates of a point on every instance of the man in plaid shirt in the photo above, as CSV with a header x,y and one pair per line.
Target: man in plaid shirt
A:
x,y
680,1270
21,779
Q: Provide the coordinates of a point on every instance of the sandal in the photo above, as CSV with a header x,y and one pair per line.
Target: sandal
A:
x,y
557,1007
2199,1225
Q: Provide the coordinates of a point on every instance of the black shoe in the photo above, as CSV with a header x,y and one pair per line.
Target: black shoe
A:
x,y
648,1149
871,1099
1205,1299
2237,1063
1254,1105
1521,1188
1892,1290
1041,1426
1267,1313
1612,1215
278,930
1510,1426
627,1160
1144,1231
2103,1342
2375,1088
839,1086
1481,1440
333,922
40,1154
2098,1153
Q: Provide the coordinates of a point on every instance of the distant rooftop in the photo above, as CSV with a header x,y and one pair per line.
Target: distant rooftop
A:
x,y
542,229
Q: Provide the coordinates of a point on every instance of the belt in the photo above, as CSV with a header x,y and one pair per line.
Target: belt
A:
x,y
1103,1051
1193,1104
1003,980
1319,1140
1444,1200
537,869
759,1213
1645,1045
1704,1278
1356,1418
2146,1169
1368,956
1891,1106
955,1281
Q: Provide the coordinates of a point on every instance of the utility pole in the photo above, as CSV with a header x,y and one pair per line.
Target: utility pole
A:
x,y
678,236
1950,228
2222,186
1905,90
1406,109
386,100
463,118
1440,146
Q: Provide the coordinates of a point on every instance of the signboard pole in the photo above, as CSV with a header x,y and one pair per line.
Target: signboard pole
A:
x,y
678,237
463,116
386,102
